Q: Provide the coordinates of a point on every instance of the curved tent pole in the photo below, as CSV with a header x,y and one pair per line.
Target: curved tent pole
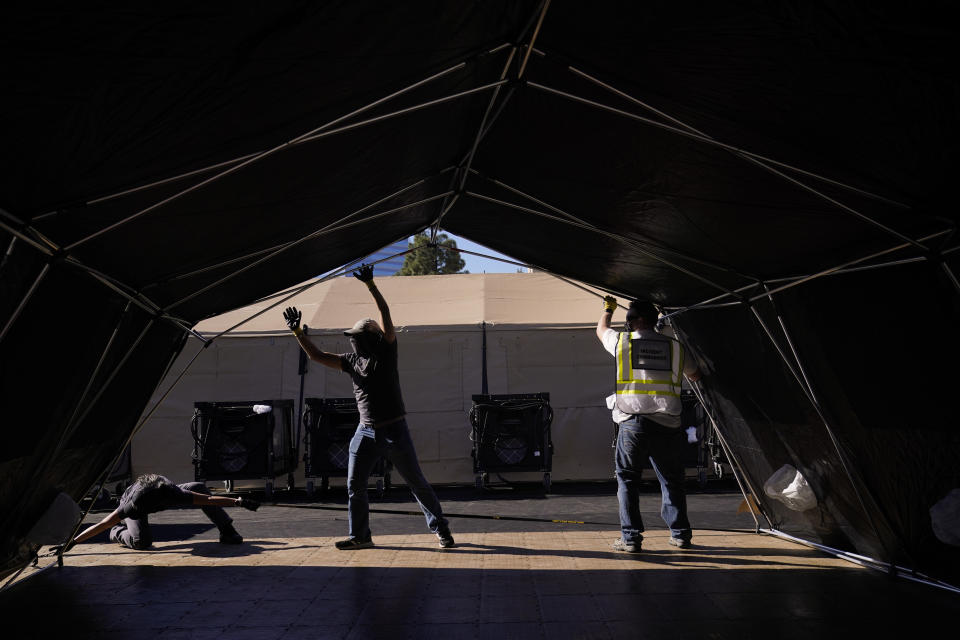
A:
x,y
737,150
762,162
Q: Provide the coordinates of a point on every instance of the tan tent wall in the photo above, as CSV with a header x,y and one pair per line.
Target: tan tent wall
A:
x,y
440,368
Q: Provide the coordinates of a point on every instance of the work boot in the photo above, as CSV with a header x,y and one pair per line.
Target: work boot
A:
x,y
353,543
229,535
446,539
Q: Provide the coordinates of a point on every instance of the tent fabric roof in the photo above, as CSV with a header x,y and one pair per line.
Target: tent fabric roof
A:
x,y
532,299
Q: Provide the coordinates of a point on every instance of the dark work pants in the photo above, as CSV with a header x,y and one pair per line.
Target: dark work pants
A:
x,y
135,533
640,441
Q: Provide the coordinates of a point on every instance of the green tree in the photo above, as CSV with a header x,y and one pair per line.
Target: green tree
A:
x,y
424,260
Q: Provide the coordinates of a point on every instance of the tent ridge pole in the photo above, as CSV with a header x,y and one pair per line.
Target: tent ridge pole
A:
x,y
315,234
264,154
731,148
747,156
460,176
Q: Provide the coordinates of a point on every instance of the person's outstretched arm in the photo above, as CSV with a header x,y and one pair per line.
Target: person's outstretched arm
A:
x,y
110,520
609,306
292,317
365,275
203,500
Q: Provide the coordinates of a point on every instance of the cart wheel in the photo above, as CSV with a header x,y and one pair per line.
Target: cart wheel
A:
x,y
324,484
309,488
718,470
379,487
228,485
546,482
268,490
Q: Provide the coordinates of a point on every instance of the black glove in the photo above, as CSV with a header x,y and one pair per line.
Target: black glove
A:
x,y
292,316
249,504
364,274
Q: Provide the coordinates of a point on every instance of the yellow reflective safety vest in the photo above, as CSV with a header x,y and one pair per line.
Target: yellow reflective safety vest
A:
x,y
649,373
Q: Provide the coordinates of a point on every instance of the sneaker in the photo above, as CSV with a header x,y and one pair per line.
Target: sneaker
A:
x,y
629,547
353,543
229,535
446,539
680,543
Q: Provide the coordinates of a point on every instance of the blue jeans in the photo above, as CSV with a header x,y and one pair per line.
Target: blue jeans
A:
x,y
392,442
639,440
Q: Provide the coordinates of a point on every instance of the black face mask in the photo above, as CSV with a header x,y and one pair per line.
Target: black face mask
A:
x,y
365,344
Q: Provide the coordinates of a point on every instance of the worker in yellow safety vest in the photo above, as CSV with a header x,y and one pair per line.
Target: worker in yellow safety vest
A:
x,y
646,407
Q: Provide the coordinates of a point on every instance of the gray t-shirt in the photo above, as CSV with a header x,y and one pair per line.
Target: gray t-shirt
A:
x,y
376,383
139,500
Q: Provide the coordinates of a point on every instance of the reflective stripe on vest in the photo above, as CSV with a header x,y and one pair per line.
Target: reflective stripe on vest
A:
x,y
642,381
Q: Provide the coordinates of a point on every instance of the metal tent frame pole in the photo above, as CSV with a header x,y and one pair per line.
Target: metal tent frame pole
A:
x,y
264,154
580,221
734,463
866,561
632,244
337,225
756,159
826,423
846,267
731,148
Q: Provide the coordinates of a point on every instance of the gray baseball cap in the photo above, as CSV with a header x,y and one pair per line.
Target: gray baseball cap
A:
x,y
360,326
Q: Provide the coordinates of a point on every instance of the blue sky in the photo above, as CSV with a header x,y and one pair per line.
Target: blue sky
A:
x,y
482,265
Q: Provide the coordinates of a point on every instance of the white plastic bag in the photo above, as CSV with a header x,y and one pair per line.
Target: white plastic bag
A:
x,y
945,518
262,408
790,487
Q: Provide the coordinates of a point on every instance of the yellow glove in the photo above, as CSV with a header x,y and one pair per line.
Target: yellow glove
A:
x,y
609,303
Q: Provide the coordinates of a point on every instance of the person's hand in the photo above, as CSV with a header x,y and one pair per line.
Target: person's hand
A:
x,y
609,303
292,317
249,504
364,274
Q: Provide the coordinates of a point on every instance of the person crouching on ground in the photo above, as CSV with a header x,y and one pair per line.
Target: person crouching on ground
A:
x,y
382,431
128,523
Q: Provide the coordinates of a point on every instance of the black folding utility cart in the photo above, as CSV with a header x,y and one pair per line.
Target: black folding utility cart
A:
x,y
511,432
330,425
243,441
